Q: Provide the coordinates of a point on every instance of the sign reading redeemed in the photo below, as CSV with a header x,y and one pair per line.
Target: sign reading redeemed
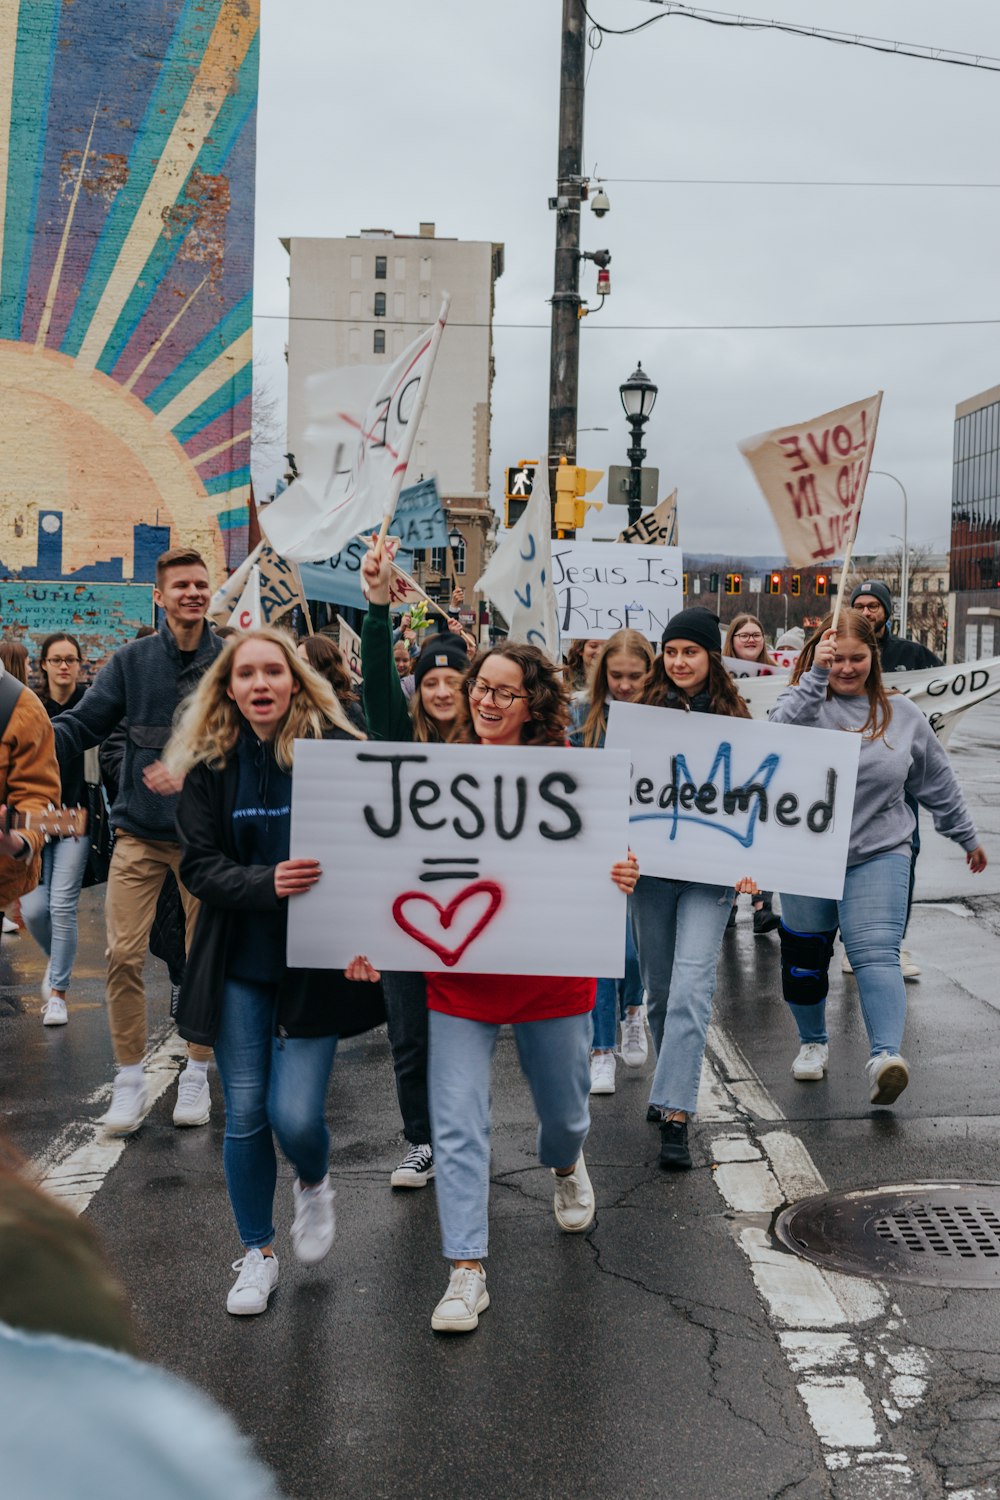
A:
x,y
602,588
459,858
714,799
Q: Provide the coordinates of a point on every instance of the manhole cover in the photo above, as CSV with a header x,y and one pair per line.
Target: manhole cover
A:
x,y
933,1233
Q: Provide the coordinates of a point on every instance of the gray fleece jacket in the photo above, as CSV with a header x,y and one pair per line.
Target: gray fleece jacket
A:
x,y
907,758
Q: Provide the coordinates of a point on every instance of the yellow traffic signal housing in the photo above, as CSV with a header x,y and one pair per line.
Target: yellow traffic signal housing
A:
x,y
572,483
822,584
796,589
734,583
774,583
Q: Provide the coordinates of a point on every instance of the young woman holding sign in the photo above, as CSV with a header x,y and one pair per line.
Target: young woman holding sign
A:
x,y
517,698
837,684
274,1029
679,924
619,676
437,713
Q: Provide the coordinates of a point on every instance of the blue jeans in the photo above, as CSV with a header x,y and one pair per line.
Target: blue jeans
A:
x,y
678,928
270,1084
871,915
49,912
615,996
555,1059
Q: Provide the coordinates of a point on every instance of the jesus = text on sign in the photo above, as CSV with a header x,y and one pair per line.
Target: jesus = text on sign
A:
x,y
461,858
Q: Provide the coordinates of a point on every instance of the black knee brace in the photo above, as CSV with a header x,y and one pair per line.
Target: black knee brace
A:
x,y
805,960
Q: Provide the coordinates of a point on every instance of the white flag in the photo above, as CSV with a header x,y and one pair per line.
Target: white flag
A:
x,y
247,614
518,579
363,420
813,477
225,598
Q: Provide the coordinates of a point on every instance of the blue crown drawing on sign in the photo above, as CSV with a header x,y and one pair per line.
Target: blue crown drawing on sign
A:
x,y
712,805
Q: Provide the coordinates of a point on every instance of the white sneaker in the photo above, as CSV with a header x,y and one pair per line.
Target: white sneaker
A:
x,y
194,1102
888,1076
635,1048
257,1280
602,1072
10,927
574,1199
810,1065
315,1222
46,986
54,1013
466,1297
415,1170
128,1105
911,970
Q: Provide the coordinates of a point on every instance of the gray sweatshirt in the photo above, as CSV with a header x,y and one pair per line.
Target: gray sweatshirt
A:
x,y
907,758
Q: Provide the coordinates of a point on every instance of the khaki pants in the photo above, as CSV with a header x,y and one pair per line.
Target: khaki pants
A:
x,y
138,870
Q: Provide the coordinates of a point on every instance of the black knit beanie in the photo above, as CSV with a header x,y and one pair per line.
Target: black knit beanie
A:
x,y
874,589
444,650
695,624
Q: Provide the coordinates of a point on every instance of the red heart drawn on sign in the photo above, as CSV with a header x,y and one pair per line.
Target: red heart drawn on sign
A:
x,y
446,915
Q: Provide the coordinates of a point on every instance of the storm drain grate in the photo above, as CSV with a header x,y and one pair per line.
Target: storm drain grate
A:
x,y
935,1233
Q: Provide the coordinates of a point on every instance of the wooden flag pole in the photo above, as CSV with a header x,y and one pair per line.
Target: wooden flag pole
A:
x,y
842,587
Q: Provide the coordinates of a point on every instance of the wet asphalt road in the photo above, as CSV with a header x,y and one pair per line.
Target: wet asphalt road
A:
x,y
637,1360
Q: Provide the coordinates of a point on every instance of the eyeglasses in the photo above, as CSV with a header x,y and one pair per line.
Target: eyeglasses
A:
x,y
748,635
61,661
503,697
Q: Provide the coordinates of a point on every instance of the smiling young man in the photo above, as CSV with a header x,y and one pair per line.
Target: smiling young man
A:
x,y
144,683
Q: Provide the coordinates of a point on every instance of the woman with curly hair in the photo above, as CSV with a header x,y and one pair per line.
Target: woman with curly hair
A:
x,y
438,712
679,924
619,676
326,657
837,684
745,641
517,698
274,1029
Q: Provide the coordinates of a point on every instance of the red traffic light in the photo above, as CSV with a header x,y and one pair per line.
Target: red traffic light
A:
x,y
822,584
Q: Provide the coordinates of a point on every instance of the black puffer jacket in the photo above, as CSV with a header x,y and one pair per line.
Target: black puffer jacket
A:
x,y
311,1002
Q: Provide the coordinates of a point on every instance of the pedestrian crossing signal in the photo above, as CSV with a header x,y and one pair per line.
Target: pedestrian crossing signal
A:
x,y
822,585
520,481
734,583
774,583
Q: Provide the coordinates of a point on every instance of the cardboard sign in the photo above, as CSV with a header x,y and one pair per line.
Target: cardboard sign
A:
x,y
602,588
420,520
350,648
459,858
813,477
656,528
714,799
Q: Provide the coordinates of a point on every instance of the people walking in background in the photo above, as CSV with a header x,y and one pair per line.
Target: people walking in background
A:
x,y
517,698
679,924
14,659
50,910
620,675
581,659
144,682
437,713
838,684
326,657
274,1028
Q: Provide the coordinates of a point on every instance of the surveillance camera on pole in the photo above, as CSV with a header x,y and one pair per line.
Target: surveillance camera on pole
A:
x,y
600,203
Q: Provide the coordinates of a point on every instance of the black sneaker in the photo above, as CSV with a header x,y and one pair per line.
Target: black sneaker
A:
x,y
674,1153
765,921
415,1170
653,1115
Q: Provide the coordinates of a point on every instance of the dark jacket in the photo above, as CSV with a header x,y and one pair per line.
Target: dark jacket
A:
x,y
74,783
311,1002
144,682
899,655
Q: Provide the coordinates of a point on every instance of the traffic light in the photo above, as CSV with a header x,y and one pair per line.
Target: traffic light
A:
x,y
734,583
513,510
774,583
796,588
822,585
685,583
572,483
713,583
520,480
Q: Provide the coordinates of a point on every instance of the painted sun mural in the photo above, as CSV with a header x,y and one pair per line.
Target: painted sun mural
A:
x,y
127,138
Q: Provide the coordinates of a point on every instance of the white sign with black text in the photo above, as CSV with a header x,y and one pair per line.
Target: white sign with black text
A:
x,y
601,588
460,858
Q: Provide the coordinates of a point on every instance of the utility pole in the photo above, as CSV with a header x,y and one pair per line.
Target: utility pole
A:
x,y
564,362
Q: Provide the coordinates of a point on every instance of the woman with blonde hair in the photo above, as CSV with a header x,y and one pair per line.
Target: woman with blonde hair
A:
x,y
837,684
745,641
274,1029
620,675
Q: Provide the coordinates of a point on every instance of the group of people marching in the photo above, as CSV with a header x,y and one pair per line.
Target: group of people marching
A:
x,y
205,793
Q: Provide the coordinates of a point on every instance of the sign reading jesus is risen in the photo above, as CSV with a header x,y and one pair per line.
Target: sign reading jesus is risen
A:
x,y
460,858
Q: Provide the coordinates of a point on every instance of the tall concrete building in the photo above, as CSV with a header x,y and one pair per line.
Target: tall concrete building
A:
x,y
975,529
361,300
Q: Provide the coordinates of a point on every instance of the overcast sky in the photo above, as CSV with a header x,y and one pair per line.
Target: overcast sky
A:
x,y
393,113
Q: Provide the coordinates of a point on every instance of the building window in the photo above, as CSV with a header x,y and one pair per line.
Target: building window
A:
x,y
399,306
458,553
378,342
381,267
400,267
380,304
439,559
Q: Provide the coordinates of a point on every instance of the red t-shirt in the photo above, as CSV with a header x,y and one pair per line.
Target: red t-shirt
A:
x,y
503,999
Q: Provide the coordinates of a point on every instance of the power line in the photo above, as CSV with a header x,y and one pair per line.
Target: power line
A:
x,y
917,50
657,327
786,182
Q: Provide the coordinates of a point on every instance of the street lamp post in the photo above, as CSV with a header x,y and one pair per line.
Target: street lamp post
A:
x,y
638,395
904,591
